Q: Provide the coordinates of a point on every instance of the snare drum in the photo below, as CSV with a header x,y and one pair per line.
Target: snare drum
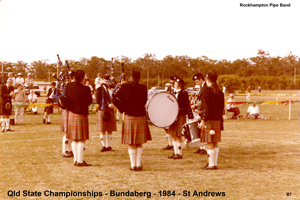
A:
x,y
162,109
192,135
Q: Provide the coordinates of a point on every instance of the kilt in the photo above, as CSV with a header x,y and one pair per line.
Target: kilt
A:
x,y
211,125
135,130
176,128
64,120
4,111
78,127
49,109
110,125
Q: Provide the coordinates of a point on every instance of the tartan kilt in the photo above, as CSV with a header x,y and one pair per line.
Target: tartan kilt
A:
x,y
78,127
4,111
64,121
135,130
176,128
110,125
211,125
48,109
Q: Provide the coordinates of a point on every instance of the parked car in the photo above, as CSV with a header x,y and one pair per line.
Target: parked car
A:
x,y
192,89
36,90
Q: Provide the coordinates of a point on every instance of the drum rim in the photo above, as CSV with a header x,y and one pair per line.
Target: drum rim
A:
x,y
147,105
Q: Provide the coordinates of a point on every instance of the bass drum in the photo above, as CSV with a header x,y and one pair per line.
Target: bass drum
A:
x,y
162,109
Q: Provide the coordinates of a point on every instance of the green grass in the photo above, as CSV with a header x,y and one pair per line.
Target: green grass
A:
x,y
259,159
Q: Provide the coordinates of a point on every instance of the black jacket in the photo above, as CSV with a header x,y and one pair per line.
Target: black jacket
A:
x,y
103,94
4,94
79,98
131,99
184,104
212,104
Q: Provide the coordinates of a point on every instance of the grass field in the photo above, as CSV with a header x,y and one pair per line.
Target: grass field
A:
x,y
259,159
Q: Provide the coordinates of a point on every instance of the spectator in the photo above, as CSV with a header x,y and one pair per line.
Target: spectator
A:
x,y
32,99
231,107
20,99
29,81
248,94
98,81
11,78
20,80
253,112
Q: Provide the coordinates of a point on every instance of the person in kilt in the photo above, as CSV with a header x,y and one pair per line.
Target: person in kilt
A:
x,y
66,144
6,94
131,99
175,130
79,98
106,119
212,122
49,100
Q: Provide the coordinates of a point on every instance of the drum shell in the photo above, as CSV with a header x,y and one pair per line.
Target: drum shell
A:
x,y
192,135
162,109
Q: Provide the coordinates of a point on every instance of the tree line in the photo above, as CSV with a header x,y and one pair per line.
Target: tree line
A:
x,y
264,70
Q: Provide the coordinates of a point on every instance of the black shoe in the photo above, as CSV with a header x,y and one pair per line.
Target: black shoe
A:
x,y
133,168
9,129
67,155
168,147
139,168
172,156
48,123
203,152
3,130
103,149
75,163
198,151
109,149
210,168
83,164
44,121
177,156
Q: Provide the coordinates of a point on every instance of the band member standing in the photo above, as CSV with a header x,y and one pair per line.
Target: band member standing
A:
x,y
175,130
66,144
169,137
212,123
131,99
197,108
106,120
79,98
49,100
6,93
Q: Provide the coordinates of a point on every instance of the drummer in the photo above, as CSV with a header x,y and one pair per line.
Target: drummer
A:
x,y
171,90
212,123
199,80
175,130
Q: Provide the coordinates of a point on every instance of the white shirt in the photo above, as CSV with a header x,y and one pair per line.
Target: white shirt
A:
x,y
97,82
32,97
253,110
20,80
230,104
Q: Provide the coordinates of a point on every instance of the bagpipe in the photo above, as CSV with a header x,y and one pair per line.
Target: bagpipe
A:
x,y
61,100
115,99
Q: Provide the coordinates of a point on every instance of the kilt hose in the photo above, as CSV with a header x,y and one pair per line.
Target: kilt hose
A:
x,y
176,127
78,127
64,121
135,130
110,125
211,125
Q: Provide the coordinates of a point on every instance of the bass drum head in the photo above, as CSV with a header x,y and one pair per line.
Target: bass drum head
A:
x,y
162,109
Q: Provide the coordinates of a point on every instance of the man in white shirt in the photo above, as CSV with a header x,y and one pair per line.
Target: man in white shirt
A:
x,y
231,107
253,112
11,78
32,98
29,81
98,81
20,80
